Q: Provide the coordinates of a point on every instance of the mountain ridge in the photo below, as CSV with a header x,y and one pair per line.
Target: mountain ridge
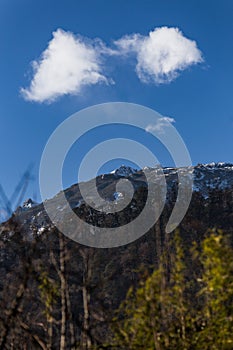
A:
x,y
206,178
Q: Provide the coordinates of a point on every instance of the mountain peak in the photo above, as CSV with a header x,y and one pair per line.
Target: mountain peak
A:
x,y
29,203
124,171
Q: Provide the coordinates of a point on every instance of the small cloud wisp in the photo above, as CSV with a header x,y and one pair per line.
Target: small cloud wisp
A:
x,y
160,125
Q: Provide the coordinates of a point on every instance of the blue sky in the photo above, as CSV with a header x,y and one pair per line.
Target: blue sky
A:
x,y
199,99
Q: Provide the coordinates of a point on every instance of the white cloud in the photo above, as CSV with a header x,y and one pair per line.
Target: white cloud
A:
x,y
160,125
65,67
161,55
71,62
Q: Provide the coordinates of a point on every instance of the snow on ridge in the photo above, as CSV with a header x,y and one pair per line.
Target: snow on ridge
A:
x,y
216,165
124,170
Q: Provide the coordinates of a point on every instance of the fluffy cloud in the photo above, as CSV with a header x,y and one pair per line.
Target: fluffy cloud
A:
x,y
65,67
71,62
161,55
161,124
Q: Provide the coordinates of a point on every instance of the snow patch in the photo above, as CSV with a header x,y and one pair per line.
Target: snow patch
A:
x,y
118,196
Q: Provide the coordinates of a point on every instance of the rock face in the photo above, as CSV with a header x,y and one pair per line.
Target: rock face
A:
x,y
31,247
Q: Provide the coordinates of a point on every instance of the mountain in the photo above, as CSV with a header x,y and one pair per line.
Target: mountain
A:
x,y
206,178
47,279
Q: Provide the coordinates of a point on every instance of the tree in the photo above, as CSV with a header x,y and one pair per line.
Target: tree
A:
x,y
217,292
49,292
166,312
